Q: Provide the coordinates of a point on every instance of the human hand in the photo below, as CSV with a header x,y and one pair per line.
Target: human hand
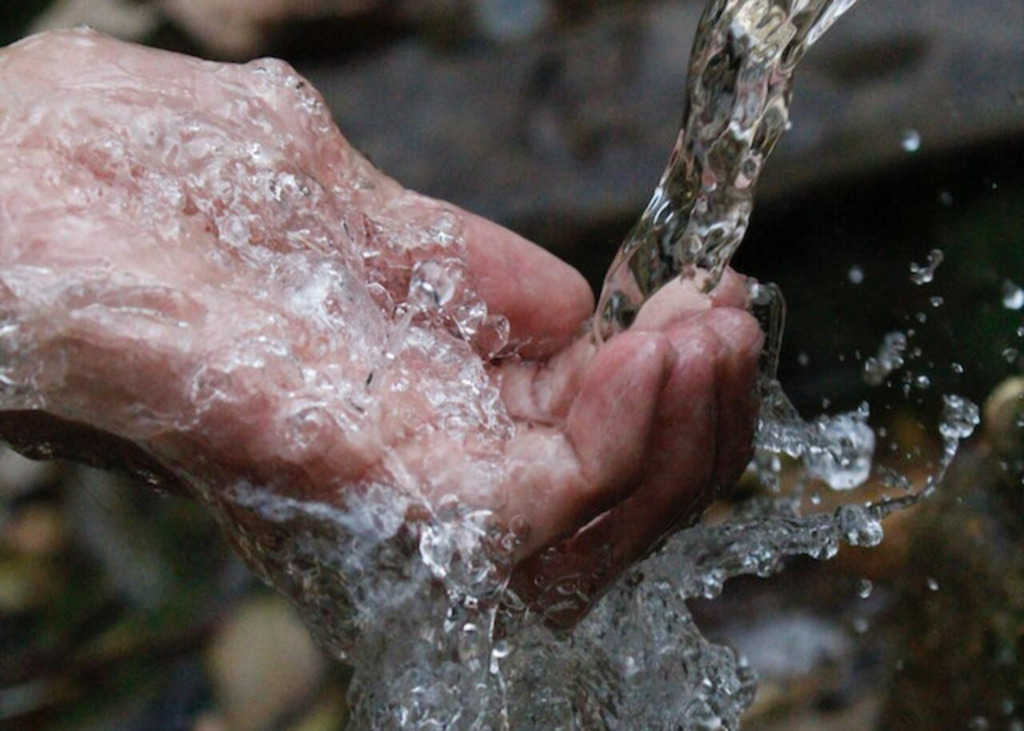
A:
x,y
200,269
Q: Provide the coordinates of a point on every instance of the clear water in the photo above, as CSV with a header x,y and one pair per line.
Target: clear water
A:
x,y
737,107
421,608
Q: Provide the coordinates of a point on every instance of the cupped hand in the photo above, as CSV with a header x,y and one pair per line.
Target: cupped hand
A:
x,y
199,275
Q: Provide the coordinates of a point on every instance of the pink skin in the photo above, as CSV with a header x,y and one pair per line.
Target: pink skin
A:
x,y
126,280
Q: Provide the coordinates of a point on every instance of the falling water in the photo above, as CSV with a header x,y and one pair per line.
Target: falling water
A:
x,y
737,107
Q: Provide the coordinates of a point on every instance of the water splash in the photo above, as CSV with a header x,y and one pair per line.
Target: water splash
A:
x,y
925,273
910,140
890,358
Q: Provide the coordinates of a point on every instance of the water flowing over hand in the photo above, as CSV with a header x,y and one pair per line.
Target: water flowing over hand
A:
x,y
202,281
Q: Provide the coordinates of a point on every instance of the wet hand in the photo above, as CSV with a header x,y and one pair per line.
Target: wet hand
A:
x,y
203,281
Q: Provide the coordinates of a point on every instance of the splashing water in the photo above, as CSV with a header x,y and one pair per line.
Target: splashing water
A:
x,y
925,273
890,358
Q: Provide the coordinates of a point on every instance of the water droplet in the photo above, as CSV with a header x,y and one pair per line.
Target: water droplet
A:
x,y
889,359
910,140
959,417
803,359
925,273
864,588
937,302
859,527
1013,296
957,368
855,275
932,584
841,452
432,285
922,382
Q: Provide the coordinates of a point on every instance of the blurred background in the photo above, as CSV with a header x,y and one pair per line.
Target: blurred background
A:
x,y
123,610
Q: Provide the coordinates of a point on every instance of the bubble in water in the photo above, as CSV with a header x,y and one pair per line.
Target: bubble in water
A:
x,y
979,723
432,285
864,588
1010,355
936,301
910,140
859,527
889,359
932,584
945,199
960,417
844,460
1013,295
855,275
925,273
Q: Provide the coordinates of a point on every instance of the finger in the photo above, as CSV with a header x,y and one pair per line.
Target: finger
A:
x,y
681,450
692,450
731,291
565,580
559,484
702,433
681,298
737,371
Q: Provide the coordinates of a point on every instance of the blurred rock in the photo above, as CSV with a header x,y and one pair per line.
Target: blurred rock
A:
x,y
37,530
131,21
25,584
210,722
512,20
19,475
236,29
1004,419
264,665
961,661
244,28
104,520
